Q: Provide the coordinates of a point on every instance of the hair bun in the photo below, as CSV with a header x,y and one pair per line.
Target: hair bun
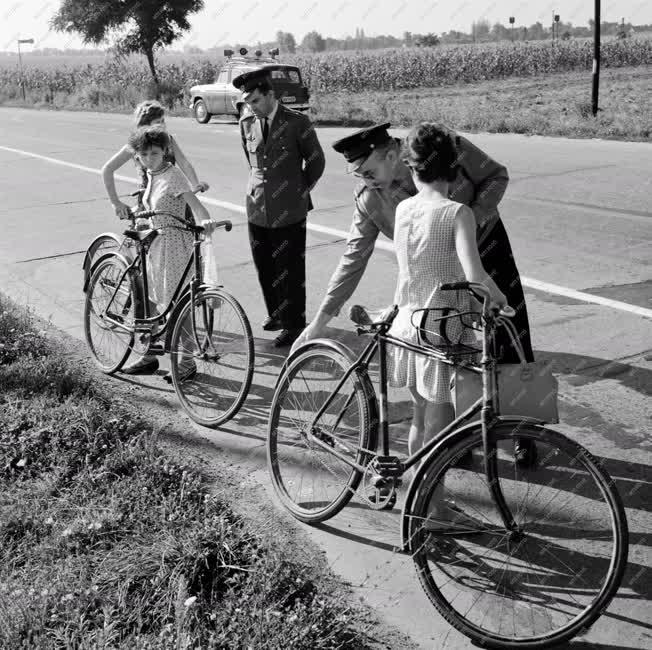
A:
x,y
431,152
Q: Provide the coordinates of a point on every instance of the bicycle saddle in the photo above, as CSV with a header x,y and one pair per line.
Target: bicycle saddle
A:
x,y
143,236
371,318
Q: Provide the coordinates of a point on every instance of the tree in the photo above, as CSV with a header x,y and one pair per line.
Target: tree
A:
x,y
286,42
481,29
427,40
140,26
314,42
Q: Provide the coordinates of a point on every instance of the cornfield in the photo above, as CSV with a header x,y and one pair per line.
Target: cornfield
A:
x,y
127,82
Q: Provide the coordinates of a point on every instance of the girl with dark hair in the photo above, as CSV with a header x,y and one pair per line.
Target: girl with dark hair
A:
x,y
167,191
147,113
435,240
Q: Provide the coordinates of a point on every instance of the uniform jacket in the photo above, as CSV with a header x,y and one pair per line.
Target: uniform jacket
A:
x,y
480,183
283,170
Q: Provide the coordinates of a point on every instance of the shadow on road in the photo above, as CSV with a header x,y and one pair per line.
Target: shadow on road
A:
x,y
592,369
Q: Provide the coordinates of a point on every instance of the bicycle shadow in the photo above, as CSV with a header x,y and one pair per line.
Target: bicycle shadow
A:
x,y
587,370
552,570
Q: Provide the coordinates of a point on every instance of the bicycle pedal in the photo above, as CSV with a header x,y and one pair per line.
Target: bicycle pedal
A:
x,y
388,466
156,349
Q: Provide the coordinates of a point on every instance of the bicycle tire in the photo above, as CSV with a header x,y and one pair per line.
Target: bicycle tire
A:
x,y
208,399
536,586
100,246
331,485
101,288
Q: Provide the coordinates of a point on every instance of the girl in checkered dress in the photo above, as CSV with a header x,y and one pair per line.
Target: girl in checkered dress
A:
x,y
167,191
435,242
147,113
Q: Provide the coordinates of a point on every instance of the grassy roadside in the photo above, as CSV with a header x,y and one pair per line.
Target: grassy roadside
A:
x,y
549,105
553,105
106,540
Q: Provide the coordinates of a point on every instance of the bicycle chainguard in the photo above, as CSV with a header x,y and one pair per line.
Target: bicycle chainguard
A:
x,y
381,481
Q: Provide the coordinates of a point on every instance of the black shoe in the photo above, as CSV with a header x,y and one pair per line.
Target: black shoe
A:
x,y
272,324
525,452
141,367
287,337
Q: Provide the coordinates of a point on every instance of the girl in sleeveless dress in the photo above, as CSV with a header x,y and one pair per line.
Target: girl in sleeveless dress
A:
x,y
435,242
147,113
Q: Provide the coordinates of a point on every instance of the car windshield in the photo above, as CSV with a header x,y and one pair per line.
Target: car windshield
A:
x,y
287,75
282,75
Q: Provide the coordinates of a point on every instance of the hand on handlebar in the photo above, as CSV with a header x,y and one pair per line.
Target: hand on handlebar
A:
x,y
122,210
211,225
201,187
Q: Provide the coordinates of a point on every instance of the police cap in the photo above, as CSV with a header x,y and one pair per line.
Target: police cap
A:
x,y
248,81
358,146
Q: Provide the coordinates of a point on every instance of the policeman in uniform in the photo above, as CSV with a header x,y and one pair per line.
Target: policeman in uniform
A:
x,y
285,161
375,157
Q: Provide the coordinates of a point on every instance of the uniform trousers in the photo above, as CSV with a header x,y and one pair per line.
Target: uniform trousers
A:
x,y
498,261
280,258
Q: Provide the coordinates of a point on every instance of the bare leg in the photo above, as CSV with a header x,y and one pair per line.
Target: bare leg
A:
x,y
415,437
437,417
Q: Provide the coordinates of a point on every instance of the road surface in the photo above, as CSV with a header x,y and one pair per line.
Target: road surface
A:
x,y
580,221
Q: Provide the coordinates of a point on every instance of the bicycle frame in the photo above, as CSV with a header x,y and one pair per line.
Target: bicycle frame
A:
x,y
144,324
485,405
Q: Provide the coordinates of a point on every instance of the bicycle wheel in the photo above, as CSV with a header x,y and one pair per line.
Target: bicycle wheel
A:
x,y
109,314
312,482
212,380
534,589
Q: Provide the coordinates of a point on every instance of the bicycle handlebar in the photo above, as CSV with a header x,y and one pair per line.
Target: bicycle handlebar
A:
x,y
481,292
146,214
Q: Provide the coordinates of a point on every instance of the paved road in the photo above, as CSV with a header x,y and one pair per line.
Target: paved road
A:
x,y
578,214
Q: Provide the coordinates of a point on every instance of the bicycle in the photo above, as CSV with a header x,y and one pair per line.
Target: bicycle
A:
x,y
531,566
204,328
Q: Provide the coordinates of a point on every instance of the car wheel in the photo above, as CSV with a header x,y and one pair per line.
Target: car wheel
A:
x,y
201,112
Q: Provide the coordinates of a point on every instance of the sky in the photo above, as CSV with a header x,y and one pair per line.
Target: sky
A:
x,y
250,21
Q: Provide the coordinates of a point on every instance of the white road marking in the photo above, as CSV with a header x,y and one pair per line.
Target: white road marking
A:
x,y
532,283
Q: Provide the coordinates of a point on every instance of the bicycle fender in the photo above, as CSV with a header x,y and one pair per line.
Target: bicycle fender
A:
x,y
329,343
89,275
449,440
90,251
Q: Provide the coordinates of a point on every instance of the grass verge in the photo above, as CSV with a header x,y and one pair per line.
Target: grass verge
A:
x,y
106,540
550,105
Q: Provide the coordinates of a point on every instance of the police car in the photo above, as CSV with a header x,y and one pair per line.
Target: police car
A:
x,y
223,98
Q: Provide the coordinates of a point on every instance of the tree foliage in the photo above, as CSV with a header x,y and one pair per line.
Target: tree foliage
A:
x,y
286,42
313,42
140,26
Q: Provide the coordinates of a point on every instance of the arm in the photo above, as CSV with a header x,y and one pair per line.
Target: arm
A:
x,y
243,138
187,169
312,153
467,252
347,275
489,178
197,207
108,170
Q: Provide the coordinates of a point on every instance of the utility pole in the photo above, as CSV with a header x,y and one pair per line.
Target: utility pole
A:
x,y
511,22
596,59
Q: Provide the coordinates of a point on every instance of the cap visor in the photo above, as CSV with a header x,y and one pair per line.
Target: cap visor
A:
x,y
354,165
